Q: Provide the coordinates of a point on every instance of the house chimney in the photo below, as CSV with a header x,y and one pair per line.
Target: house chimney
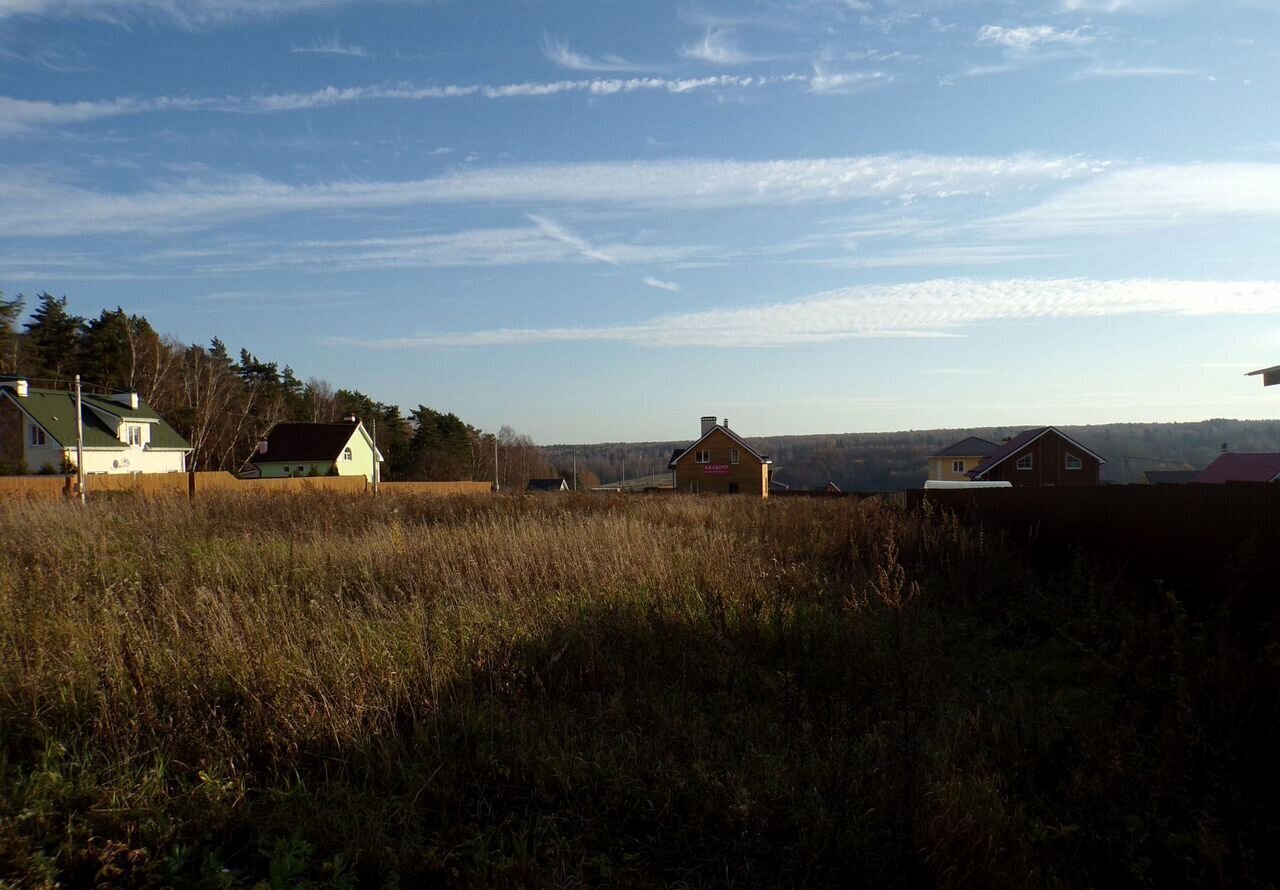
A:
x,y
17,384
708,424
129,399
262,446
349,418
726,423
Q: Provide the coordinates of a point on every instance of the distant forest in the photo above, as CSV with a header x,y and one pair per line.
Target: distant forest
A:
x,y
894,461
223,403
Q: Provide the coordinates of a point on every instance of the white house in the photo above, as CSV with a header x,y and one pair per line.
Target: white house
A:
x,y
314,449
122,433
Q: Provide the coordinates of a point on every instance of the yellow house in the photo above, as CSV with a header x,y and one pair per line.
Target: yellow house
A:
x,y
720,462
952,464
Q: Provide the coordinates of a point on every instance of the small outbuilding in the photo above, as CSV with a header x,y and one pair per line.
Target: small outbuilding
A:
x,y
547,485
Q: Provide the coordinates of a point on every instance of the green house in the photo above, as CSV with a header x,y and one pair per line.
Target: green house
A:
x,y
314,449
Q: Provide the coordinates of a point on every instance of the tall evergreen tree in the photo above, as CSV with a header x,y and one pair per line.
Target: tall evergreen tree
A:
x,y
10,312
53,338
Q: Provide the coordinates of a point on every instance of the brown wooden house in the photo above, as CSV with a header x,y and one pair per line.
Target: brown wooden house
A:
x,y
1043,456
720,462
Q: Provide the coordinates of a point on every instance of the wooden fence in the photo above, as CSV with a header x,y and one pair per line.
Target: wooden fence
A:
x,y
435,489
196,484
1174,528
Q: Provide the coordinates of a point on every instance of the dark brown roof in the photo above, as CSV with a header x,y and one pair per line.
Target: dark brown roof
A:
x,y
1170,477
1259,467
305,441
970,447
1270,376
1020,441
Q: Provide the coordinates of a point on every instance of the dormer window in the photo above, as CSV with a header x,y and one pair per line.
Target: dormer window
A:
x,y
133,434
346,453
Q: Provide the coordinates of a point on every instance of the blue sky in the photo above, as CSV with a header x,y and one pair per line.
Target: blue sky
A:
x,y
601,220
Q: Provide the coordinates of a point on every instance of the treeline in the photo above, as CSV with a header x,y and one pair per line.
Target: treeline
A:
x,y
899,460
223,403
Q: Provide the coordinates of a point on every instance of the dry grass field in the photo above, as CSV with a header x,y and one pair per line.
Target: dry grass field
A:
x,y
317,690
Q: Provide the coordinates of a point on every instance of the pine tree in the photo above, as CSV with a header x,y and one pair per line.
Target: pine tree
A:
x,y
54,338
10,312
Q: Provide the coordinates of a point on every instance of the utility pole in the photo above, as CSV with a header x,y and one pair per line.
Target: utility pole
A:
x,y
575,469
79,443
496,486
377,468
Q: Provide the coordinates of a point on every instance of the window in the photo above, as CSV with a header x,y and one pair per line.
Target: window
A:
x,y
1024,462
733,456
957,466
37,437
133,434
703,457
1073,462
346,453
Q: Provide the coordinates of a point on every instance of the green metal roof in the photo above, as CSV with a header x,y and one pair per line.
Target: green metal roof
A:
x,y
55,410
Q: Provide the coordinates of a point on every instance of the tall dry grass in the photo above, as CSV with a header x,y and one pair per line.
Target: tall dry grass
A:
x,y
320,690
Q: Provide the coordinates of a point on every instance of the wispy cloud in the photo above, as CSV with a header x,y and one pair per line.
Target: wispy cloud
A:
x,y
332,46
201,202
1027,38
827,82
1125,71
180,13
536,244
717,47
669,286
559,52
1147,197
924,309
23,116
556,232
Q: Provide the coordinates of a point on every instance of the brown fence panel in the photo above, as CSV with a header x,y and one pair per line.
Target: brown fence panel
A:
x,y
1193,527
33,488
138,484
435,489
203,483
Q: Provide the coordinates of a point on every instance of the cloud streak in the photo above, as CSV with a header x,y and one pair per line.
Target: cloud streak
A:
x,y
559,53
24,116
939,308
717,47
197,203
330,47
188,14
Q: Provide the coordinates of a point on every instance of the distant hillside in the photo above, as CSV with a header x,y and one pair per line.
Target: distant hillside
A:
x,y
890,461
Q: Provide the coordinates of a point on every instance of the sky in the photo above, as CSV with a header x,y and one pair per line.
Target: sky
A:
x,y
598,220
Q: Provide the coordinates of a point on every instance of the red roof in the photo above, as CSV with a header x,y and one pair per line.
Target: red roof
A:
x,y
1259,467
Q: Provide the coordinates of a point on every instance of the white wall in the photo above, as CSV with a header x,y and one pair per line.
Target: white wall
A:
x,y
131,460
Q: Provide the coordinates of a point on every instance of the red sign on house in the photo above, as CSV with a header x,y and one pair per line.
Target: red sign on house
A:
x,y
715,469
